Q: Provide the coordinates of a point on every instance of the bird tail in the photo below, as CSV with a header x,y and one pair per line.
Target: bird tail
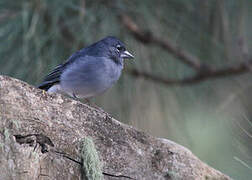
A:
x,y
47,85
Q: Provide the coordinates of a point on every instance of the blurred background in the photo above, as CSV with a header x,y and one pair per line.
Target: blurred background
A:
x,y
212,116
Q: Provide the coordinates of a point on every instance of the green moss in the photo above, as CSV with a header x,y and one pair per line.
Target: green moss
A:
x,y
92,166
171,175
6,134
16,123
1,146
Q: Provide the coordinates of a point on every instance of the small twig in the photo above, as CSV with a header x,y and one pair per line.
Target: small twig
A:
x,y
242,162
78,162
119,176
67,156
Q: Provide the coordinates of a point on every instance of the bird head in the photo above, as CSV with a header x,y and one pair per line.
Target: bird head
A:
x,y
112,48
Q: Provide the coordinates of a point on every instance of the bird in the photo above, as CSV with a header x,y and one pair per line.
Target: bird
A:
x,y
90,71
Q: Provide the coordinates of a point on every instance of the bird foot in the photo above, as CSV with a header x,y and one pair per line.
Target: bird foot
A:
x,y
43,92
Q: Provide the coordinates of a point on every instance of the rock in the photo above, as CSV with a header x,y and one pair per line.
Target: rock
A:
x,y
41,137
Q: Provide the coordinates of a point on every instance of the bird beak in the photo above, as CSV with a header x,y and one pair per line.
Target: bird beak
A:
x,y
126,54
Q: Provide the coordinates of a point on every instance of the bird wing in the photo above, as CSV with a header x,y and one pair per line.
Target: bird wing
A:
x,y
54,77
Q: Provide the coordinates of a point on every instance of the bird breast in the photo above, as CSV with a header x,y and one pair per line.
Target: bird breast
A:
x,y
90,78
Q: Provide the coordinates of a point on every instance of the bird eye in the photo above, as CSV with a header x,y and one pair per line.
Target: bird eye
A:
x,y
119,48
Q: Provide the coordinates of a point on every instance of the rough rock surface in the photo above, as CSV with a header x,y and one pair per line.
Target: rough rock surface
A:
x,y
40,137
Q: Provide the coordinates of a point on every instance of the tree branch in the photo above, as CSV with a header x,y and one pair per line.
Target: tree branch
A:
x,y
198,77
203,71
147,37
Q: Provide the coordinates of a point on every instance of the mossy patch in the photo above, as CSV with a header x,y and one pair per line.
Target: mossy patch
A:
x,y
91,164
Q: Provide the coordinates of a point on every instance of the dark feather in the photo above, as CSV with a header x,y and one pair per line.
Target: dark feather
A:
x,y
54,77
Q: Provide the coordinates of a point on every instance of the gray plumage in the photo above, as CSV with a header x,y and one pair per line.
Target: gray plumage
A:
x,y
90,71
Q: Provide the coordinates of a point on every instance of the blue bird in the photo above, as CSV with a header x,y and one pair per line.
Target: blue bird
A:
x,y
90,71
